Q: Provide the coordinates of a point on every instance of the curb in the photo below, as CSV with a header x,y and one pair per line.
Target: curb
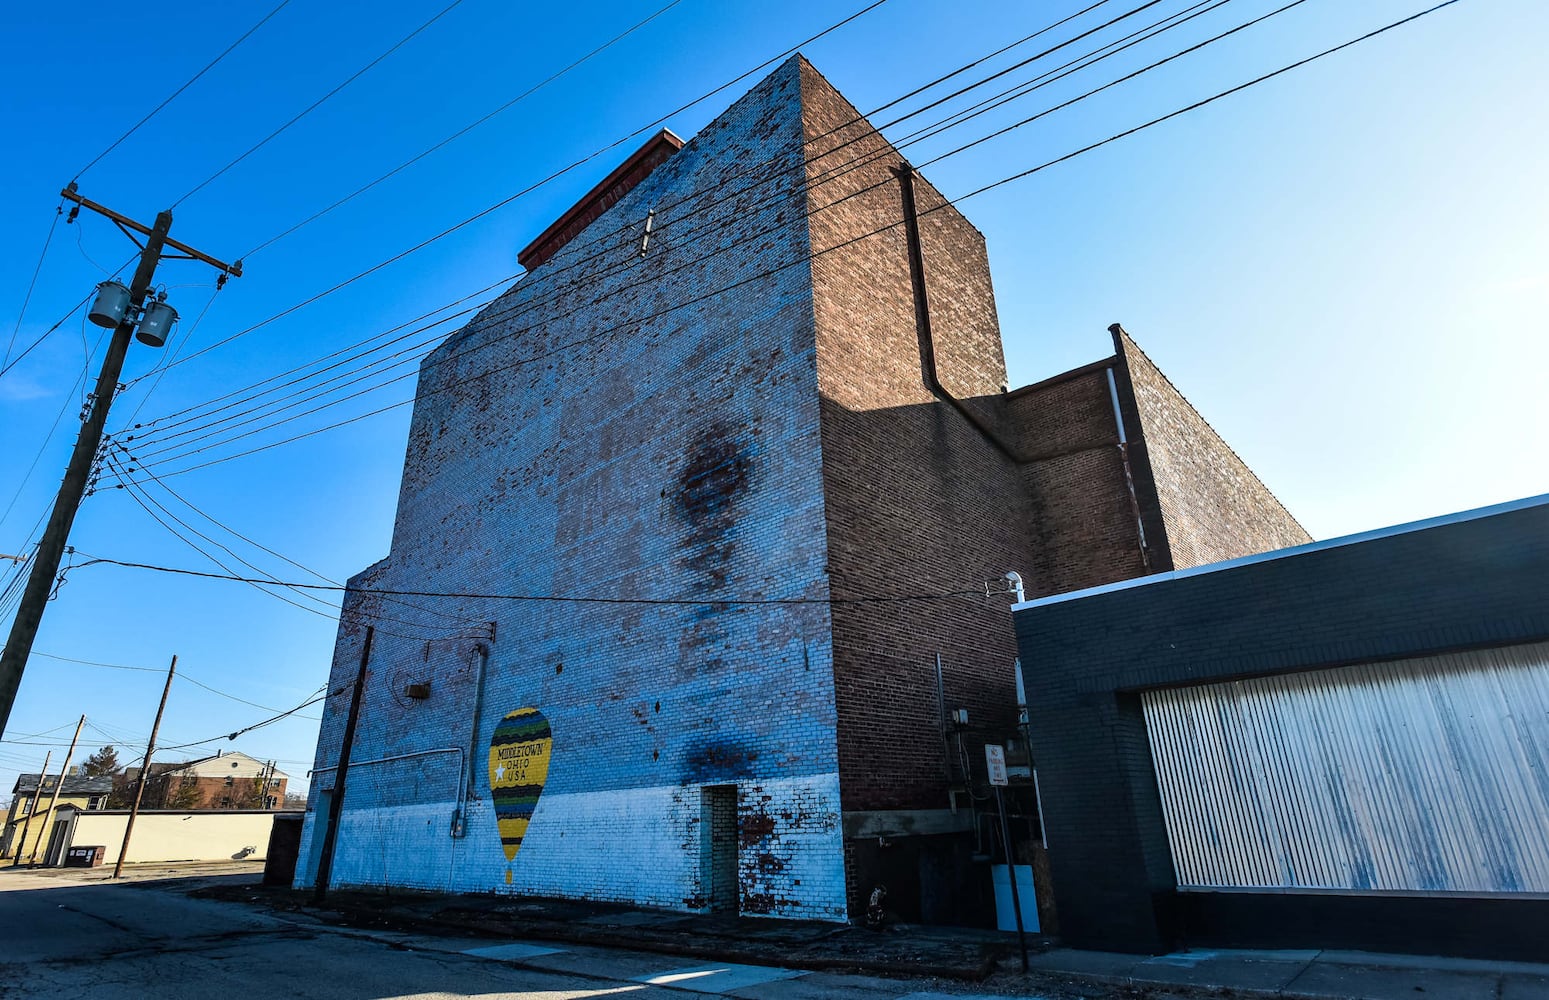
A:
x,y
610,937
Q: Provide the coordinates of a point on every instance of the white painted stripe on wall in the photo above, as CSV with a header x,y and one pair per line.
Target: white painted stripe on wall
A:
x,y
640,846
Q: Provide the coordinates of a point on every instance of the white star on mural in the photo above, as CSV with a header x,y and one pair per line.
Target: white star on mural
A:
x,y
500,773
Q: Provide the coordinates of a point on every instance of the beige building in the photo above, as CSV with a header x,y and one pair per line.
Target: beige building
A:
x,y
222,835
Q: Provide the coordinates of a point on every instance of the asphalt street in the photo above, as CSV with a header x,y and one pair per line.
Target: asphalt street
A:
x,y
81,935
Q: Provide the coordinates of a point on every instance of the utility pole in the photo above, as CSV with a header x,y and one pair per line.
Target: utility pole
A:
x,y
64,772
45,563
37,793
331,832
145,772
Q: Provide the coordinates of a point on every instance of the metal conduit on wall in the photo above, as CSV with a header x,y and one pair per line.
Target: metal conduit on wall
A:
x,y
1426,775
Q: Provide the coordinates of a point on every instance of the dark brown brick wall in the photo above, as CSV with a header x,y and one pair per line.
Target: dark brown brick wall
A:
x,y
1081,517
1213,506
916,499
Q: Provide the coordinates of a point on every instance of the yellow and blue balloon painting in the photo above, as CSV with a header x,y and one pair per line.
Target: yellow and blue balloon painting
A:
x,y
518,769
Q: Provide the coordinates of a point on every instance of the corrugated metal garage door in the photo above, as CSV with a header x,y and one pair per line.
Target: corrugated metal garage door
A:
x,y
1424,775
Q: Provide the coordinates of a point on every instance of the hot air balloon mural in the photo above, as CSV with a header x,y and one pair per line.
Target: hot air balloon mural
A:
x,y
518,769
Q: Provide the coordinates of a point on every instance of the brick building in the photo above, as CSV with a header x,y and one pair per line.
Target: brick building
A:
x,y
748,387
226,780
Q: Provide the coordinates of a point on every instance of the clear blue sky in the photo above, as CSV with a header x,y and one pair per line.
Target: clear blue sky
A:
x,y
1343,268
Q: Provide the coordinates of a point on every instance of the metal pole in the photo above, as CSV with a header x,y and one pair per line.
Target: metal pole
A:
x,y
37,793
45,564
145,771
1011,872
64,772
331,834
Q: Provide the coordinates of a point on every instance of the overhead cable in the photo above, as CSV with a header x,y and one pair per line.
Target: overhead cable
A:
x,y
464,130
318,103
190,82
951,202
501,204
581,251
21,314
694,602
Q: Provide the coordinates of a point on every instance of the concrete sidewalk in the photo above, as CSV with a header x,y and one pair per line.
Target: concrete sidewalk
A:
x,y
1297,974
983,962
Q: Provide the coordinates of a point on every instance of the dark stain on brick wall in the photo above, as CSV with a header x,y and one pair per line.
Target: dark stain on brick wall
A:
x,y
759,902
714,477
755,826
710,762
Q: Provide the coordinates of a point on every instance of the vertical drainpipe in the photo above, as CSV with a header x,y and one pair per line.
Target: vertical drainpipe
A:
x,y
460,818
922,323
1129,477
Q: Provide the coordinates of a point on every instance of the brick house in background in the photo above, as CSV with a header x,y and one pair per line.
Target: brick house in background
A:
x,y
762,372
228,780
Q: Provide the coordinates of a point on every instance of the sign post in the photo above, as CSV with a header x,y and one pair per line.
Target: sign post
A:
x,y
995,761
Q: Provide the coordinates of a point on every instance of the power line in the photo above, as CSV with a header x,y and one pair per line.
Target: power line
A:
x,y
46,732
555,598
581,249
144,500
135,495
501,204
30,347
139,495
1212,99
981,190
462,131
229,697
1091,93
96,663
248,729
578,249
317,103
159,439
173,96
22,313
326,357
160,370
61,322
462,620
147,670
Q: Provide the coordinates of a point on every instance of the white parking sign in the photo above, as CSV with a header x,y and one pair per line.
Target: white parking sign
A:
x,y
995,758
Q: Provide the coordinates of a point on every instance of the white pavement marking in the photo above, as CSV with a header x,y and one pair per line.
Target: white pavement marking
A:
x,y
721,977
514,952
960,996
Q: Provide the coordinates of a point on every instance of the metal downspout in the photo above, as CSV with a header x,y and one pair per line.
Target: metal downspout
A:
x,y
922,318
460,820
1129,477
